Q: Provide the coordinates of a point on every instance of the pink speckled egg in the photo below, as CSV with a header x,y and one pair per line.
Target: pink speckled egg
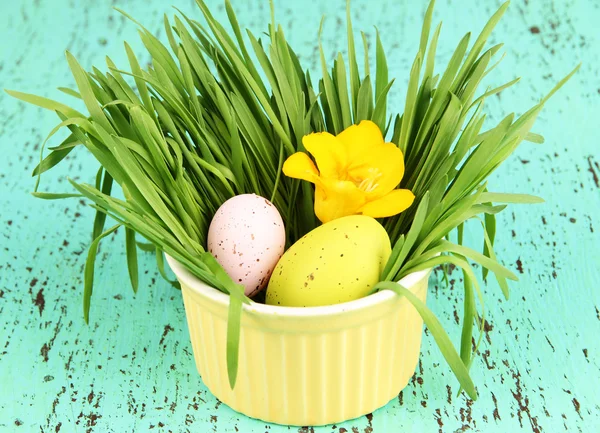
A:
x,y
247,237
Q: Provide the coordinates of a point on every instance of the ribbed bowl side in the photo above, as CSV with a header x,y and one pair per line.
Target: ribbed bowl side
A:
x,y
309,378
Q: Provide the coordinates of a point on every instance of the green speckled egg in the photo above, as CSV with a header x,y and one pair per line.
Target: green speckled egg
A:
x,y
337,262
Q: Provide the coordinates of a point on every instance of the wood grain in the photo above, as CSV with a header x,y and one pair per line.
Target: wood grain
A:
x,y
132,370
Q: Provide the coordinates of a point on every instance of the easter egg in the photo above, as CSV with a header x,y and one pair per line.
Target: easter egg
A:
x,y
337,262
247,237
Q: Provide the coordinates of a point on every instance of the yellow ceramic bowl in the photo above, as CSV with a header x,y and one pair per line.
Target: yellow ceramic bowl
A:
x,y
307,366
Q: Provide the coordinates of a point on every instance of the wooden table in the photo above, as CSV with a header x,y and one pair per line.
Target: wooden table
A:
x,y
132,369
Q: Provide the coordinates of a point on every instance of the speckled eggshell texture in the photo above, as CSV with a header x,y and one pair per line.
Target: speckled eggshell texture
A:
x,y
339,261
247,237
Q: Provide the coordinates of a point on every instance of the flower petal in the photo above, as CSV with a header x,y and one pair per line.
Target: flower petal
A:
x,y
300,166
360,139
329,153
379,171
389,205
336,198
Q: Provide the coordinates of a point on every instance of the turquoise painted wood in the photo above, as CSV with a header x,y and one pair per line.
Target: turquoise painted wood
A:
x,y
132,369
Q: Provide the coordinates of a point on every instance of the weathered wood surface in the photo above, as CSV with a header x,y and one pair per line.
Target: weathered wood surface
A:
x,y
132,369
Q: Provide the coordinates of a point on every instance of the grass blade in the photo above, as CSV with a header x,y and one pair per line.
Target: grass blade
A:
x,y
51,160
507,198
486,262
89,271
490,248
105,188
160,264
146,247
54,196
366,53
352,63
468,318
132,262
400,251
490,228
46,103
342,91
426,27
331,96
364,109
85,89
439,334
234,317
560,84
70,92
381,76
409,107
532,137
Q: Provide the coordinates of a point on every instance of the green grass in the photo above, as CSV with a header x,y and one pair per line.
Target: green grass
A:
x,y
202,125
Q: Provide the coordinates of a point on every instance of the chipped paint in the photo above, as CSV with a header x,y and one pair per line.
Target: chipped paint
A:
x,y
132,370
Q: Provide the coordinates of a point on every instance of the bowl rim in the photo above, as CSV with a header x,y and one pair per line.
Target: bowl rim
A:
x,y
202,289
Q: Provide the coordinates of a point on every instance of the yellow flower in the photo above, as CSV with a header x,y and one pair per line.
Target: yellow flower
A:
x,y
357,173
